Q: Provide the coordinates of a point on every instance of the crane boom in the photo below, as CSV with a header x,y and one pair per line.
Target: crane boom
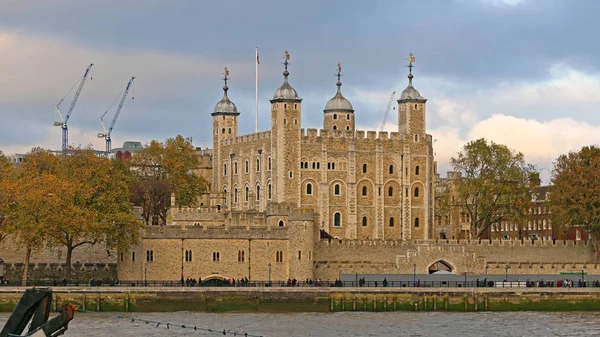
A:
x,y
107,132
63,120
387,110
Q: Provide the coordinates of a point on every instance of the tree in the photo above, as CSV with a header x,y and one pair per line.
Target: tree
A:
x,y
36,194
161,169
495,184
6,173
96,205
575,199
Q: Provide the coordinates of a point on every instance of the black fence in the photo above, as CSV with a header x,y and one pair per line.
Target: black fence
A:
x,y
310,283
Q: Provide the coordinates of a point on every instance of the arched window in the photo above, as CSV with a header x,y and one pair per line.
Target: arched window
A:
x,y
225,194
416,138
314,165
308,189
416,222
329,166
269,164
318,165
417,170
235,195
229,130
391,169
333,166
335,127
223,130
347,128
391,222
364,168
257,165
337,219
247,167
416,192
224,169
257,192
281,223
364,190
334,116
336,189
235,168
348,116
247,193
270,192
390,191
364,221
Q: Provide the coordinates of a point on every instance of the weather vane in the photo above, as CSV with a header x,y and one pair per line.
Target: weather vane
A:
x,y
226,73
339,73
410,60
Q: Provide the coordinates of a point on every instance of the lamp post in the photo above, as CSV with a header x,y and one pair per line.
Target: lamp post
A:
x,y
506,275
582,278
269,274
465,273
486,267
145,274
94,276
1,271
414,275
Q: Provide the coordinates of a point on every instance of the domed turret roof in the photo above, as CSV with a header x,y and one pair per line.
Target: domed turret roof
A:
x,y
225,105
410,93
339,102
285,91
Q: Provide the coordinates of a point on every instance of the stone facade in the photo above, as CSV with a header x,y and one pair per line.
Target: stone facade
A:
x,y
316,204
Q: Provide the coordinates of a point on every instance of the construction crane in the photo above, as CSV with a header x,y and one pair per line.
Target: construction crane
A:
x,y
387,110
62,121
107,132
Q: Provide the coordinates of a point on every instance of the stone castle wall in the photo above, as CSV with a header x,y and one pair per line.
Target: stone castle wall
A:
x,y
336,257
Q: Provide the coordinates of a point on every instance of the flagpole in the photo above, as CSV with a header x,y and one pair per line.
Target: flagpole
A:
x,y
256,62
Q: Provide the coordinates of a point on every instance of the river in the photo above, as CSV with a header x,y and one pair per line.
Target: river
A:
x,y
345,324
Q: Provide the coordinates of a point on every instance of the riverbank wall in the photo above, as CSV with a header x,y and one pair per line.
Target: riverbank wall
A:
x,y
225,299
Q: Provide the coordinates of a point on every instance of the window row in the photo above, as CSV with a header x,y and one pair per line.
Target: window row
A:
x,y
247,166
335,117
365,221
216,256
247,193
347,127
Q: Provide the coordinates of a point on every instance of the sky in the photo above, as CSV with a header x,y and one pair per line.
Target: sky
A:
x,y
523,73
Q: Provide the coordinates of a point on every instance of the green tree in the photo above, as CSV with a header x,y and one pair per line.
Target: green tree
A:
x,y
163,168
575,198
495,184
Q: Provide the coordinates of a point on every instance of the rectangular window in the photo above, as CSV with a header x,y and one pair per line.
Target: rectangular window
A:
x,y
132,256
299,255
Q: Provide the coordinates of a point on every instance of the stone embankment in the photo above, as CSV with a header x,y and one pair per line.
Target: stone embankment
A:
x,y
226,299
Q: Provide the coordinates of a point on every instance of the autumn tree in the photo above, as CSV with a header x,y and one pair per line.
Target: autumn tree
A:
x,y
97,209
163,168
6,172
36,194
495,184
575,199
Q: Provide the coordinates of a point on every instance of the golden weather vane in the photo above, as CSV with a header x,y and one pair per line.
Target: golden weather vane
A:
x,y
410,60
339,68
287,55
226,73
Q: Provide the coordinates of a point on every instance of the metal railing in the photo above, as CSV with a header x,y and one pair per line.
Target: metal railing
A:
x,y
308,283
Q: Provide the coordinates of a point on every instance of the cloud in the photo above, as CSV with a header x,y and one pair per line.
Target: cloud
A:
x,y
511,113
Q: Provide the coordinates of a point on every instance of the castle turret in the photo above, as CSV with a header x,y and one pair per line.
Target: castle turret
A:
x,y
339,113
286,113
417,163
225,126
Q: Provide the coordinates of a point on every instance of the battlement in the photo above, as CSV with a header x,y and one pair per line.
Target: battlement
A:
x,y
454,243
313,135
251,138
217,232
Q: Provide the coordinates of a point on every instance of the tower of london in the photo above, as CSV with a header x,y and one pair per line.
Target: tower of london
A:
x,y
360,184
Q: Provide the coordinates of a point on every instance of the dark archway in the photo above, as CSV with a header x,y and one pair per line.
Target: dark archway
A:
x,y
441,267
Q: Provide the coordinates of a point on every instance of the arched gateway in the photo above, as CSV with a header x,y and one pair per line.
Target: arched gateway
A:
x,y
441,267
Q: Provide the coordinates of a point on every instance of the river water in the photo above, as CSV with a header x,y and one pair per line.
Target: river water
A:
x,y
345,324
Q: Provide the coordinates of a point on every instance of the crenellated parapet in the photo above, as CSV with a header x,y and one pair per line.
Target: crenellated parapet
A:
x,y
257,138
217,233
